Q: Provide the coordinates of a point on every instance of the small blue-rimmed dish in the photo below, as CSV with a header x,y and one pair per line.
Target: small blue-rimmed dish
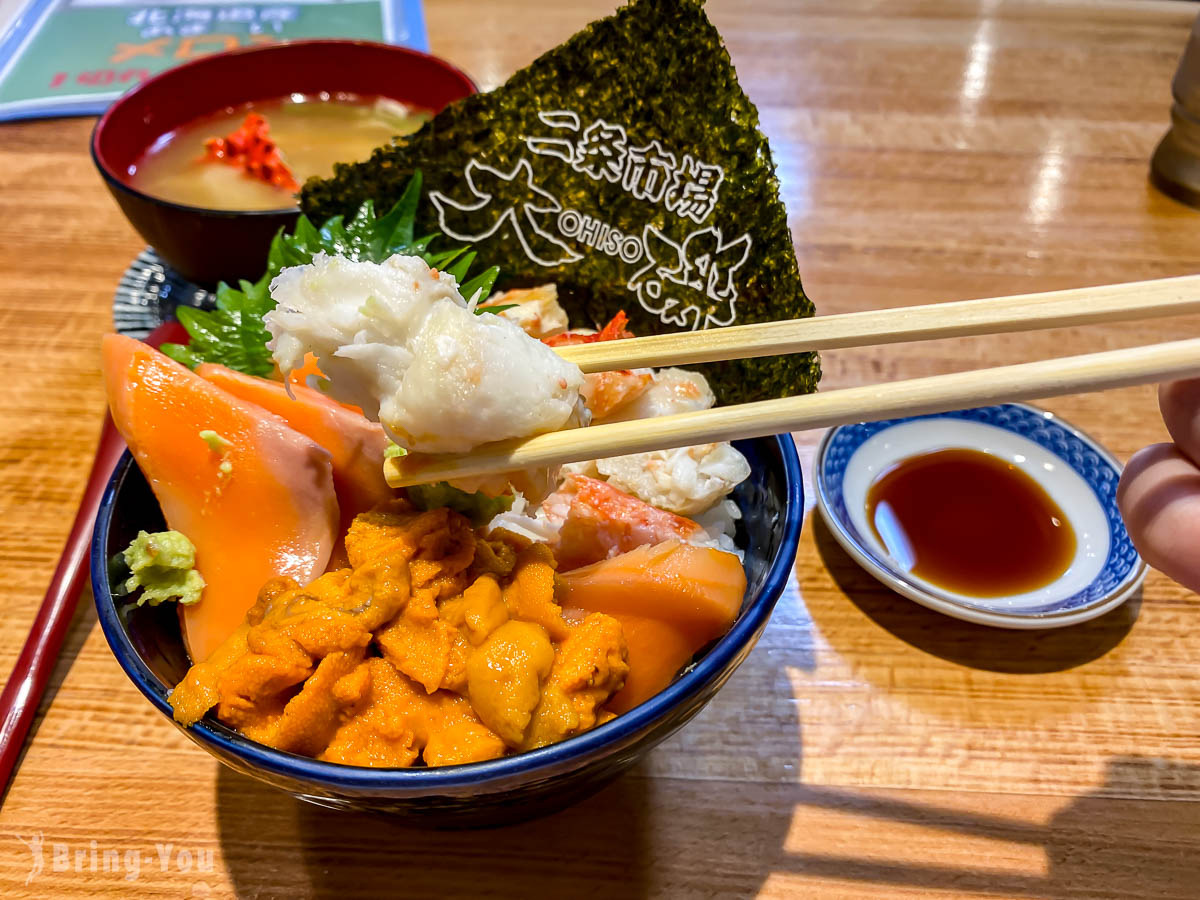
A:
x,y
147,643
1077,473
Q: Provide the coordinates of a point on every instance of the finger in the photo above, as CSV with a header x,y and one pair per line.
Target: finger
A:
x,y
1159,497
1179,402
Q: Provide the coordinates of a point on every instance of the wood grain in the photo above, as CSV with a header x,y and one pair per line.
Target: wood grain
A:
x,y
928,149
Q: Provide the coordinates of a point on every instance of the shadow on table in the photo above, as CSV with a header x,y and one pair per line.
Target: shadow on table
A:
x,y
964,643
639,838
633,839
1096,846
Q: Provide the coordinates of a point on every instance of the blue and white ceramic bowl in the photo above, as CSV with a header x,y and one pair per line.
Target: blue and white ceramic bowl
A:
x,y
1077,473
147,643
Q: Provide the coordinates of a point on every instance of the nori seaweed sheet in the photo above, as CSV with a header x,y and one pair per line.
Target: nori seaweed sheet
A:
x,y
614,139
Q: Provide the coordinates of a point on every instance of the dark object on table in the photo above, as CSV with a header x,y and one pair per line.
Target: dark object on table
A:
x,y
147,643
1175,166
210,245
149,293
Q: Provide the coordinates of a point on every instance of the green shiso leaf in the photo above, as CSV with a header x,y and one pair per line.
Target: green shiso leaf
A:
x,y
659,71
233,333
396,228
495,309
482,285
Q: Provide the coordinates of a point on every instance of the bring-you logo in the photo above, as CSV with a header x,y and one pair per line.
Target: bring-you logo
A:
x,y
47,858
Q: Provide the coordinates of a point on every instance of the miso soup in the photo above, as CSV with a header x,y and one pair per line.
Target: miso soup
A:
x,y
310,132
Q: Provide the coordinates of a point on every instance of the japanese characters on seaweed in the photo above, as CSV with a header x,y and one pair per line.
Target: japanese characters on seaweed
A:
x,y
625,165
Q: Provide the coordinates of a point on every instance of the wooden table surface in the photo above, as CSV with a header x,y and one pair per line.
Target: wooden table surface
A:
x,y
928,150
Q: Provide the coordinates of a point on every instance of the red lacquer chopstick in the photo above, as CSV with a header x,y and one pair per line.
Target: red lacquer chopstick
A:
x,y
25,686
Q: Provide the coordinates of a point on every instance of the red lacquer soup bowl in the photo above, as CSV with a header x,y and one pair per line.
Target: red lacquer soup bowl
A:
x,y
211,245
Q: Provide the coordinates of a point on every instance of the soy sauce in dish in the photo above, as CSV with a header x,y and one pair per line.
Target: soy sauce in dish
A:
x,y
970,522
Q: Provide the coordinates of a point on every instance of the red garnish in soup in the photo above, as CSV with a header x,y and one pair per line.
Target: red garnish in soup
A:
x,y
250,148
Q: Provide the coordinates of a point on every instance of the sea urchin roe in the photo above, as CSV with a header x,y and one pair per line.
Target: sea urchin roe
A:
x,y
505,677
435,644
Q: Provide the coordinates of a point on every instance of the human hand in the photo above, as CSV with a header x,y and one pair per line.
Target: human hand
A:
x,y
1159,493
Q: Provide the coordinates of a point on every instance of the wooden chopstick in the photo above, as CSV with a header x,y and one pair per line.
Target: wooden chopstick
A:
x,y
939,393
996,315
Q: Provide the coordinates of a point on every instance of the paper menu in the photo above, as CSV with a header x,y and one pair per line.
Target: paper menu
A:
x,y
74,57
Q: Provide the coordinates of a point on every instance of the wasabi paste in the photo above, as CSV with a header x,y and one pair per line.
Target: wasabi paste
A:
x,y
162,566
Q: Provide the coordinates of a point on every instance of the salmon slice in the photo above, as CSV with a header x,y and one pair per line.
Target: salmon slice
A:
x,y
257,499
657,651
698,590
671,600
355,443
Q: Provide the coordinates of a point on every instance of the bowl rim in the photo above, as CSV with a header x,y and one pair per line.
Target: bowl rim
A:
x,y
224,741
113,179
946,604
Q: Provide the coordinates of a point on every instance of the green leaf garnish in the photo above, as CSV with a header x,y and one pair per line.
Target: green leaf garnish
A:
x,y
481,285
480,310
233,334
